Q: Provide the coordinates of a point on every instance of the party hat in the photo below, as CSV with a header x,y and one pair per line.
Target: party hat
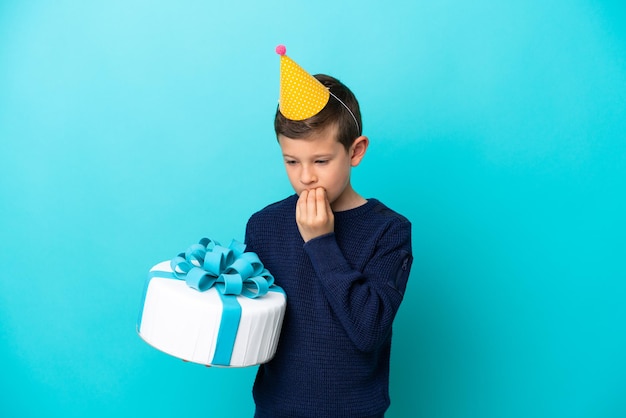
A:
x,y
301,94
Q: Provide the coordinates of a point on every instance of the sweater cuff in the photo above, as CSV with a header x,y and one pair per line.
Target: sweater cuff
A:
x,y
325,254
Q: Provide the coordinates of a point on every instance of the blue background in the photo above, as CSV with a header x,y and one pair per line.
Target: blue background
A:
x,y
130,129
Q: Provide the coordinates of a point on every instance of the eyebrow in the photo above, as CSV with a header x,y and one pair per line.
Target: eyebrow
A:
x,y
314,157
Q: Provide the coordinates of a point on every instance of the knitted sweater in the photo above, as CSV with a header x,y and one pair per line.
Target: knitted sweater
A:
x,y
343,291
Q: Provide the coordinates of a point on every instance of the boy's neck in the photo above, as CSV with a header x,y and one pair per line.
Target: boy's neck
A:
x,y
349,199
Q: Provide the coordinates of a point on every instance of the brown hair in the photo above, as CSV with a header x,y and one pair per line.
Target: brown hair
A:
x,y
333,113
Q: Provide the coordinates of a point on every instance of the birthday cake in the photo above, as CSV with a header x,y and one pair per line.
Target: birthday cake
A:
x,y
213,305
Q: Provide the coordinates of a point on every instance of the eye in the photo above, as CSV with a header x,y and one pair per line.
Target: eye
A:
x,y
290,162
321,162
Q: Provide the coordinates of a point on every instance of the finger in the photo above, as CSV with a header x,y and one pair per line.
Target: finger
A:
x,y
310,204
321,202
329,209
301,205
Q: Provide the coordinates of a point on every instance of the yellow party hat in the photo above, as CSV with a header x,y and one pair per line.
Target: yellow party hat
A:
x,y
301,94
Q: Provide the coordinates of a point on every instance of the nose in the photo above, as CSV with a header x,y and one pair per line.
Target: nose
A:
x,y
307,176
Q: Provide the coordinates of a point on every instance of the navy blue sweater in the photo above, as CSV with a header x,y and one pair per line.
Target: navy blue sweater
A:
x,y
343,291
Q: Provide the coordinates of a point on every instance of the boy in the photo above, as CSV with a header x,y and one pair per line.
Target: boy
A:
x,y
342,260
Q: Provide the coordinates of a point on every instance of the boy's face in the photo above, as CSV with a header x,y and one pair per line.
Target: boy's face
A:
x,y
321,161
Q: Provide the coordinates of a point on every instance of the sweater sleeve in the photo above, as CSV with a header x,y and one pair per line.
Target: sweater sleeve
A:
x,y
367,301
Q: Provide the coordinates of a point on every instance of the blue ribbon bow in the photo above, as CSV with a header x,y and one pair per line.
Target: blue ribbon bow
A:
x,y
231,270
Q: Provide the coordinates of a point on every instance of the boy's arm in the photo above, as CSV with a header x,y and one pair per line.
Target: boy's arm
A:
x,y
365,302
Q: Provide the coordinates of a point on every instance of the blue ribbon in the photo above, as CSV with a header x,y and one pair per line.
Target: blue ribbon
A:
x,y
232,271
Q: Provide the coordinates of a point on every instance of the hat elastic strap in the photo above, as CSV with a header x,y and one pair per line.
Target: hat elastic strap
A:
x,y
358,128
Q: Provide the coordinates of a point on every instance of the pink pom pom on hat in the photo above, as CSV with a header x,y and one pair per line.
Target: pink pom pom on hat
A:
x,y
301,94
281,50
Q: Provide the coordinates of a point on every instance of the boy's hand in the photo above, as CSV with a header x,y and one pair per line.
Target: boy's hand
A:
x,y
313,214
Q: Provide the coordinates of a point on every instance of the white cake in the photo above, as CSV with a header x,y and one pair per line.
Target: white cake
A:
x,y
185,322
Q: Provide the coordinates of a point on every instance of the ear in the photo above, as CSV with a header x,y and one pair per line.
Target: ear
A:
x,y
357,150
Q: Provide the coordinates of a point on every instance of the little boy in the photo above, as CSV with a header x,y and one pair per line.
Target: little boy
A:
x,y
342,260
